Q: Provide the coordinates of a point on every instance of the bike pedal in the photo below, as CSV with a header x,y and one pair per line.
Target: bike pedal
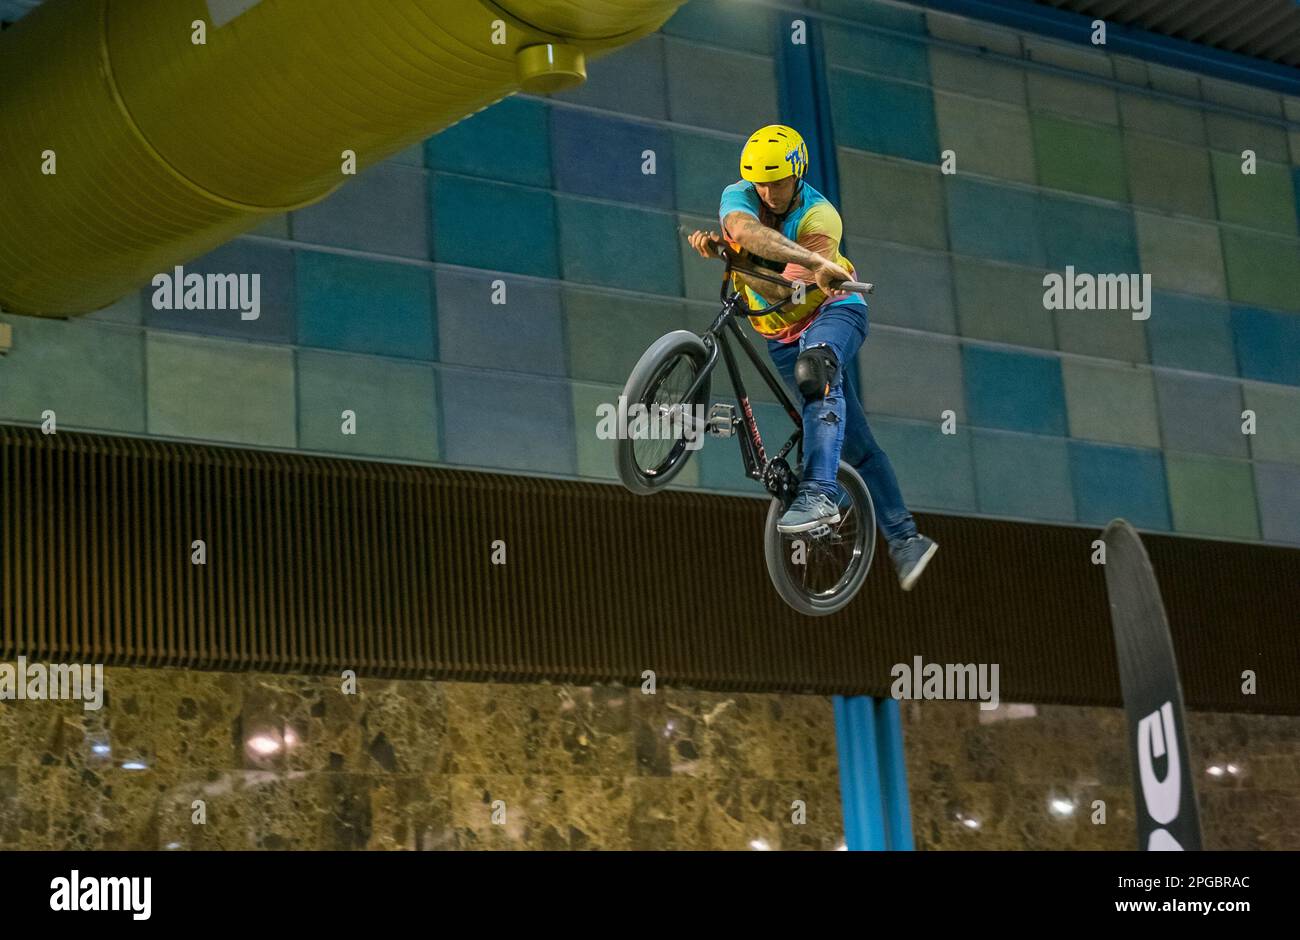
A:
x,y
820,532
722,420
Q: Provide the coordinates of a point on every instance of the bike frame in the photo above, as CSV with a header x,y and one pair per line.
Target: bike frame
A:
x,y
752,453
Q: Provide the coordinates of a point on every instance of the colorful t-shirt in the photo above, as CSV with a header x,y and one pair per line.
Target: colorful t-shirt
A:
x,y
814,224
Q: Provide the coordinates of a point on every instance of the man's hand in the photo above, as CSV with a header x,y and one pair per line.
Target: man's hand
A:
x,y
700,241
827,273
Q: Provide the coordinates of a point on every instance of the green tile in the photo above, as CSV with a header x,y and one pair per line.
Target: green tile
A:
x,y
1242,97
1174,81
1277,421
191,393
1164,174
91,375
1162,118
1294,138
1264,199
988,137
913,287
1091,101
1022,476
1131,71
974,75
1080,158
1212,496
277,226
702,83
1262,269
1108,334
1180,255
596,454
891,361
608,332
870,51
129,310
1234,134
703,166
1075,58
935,470
1111,403
395,404
892,201
1002,303
972,33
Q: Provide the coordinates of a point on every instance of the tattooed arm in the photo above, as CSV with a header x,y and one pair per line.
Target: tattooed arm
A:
x,y
758,239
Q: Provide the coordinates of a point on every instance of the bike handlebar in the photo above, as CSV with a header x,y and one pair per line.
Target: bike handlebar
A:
x,y
723,252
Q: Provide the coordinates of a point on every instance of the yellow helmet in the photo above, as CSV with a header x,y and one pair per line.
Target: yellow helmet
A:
x,y
773,153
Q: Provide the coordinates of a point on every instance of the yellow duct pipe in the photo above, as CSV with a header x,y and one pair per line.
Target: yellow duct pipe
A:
x,y
163,149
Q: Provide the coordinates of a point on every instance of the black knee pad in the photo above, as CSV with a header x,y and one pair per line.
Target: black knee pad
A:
x,y
815,371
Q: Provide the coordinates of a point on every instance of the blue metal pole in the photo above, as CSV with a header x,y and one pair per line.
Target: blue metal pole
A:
x,y
893,774
860,792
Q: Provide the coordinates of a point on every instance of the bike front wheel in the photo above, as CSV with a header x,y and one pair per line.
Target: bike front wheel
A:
x,y
820,572
658,384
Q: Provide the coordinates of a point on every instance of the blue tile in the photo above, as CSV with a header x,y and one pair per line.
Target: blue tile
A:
x,y
274,266
1277,487
385,210
500,421
605,157
1014,391
991,221
1119,482
496,226
720,464
365,306
1268,344
882,116
1023,477
1200,415
630,80
619,246
933,468
523,334
1191,333
509,141
744,26
1096,239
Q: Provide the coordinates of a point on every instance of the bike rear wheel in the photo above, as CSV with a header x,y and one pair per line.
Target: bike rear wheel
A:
x,y
819,573
659,382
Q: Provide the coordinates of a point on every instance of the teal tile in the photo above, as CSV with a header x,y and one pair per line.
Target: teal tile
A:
x,y
1002,303
368,306
273,226
128,310
1014,391
1080,158
701,88
384,210
1167,175
1277,421
703,167
410,156
630,80
1263,200
512,422
1191,333
978,76
469,217
1108,334
988,138
735,24
91,375
595,455
882,53
1262,270
899,121
988,220
889,15
1088,100
510,141
1180,255
1200,415
892,201
701,277
394,403
1234,134
1162,118
934,469
606,333
619,246
1111,403
191,394
891,361
1091,236
913,287
1021,476
1212,496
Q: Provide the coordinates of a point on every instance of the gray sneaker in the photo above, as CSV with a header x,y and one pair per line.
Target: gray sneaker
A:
x,y
808,511
910,558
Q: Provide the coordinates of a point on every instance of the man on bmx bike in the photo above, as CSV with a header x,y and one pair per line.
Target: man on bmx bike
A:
x,y
783,225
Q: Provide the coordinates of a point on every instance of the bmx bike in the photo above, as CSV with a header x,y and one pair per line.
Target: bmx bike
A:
x,y
817,572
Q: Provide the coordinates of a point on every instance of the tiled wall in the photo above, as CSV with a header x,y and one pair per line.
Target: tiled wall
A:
x,y
380,300
289,762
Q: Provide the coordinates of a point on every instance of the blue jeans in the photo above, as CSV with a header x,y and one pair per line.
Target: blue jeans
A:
x,y
837,424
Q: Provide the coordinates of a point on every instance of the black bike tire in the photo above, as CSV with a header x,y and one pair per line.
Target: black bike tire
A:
x,y
774,553
665,349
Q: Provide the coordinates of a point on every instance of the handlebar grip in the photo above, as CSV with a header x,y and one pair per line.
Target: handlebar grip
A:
x,y
858,287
